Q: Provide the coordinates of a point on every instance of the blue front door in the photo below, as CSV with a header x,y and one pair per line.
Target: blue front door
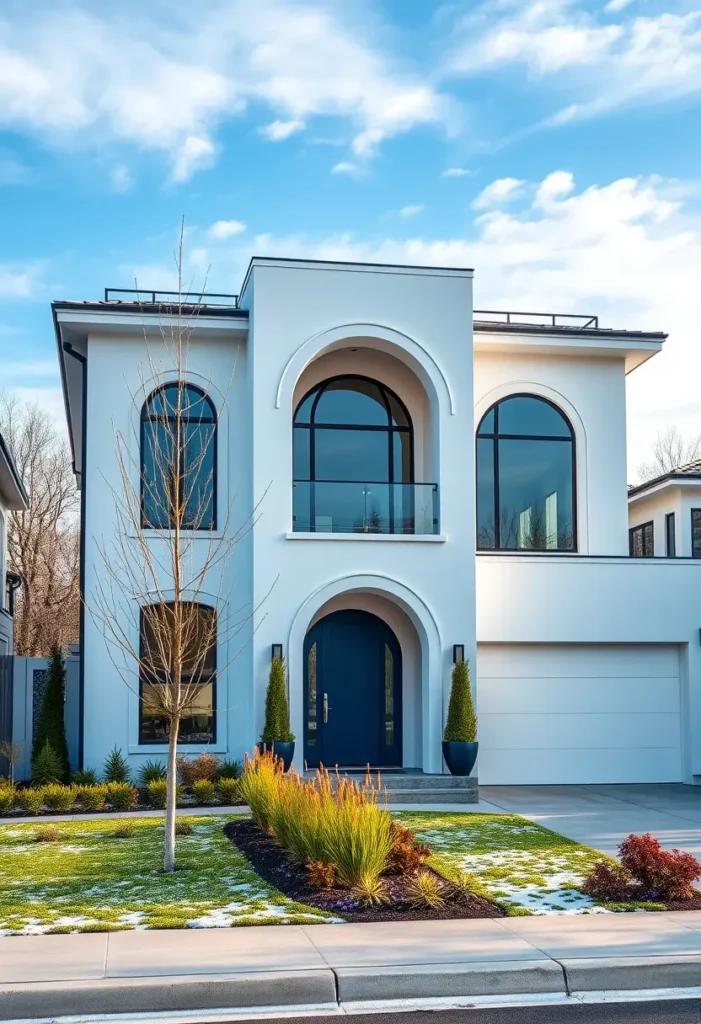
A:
x,y
353,692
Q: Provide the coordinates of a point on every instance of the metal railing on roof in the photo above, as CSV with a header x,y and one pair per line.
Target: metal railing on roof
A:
x,y
135,296
570,320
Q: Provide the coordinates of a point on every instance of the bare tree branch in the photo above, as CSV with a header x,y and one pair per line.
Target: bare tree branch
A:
x,y
670,451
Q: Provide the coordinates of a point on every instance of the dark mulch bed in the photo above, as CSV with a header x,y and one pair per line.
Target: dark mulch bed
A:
x,y
270,862
693,904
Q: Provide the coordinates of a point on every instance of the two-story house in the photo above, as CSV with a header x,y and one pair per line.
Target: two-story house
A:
x,y
13,497
429,482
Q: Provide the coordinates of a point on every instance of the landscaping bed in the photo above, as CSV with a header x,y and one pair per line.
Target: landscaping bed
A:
x,y
290,878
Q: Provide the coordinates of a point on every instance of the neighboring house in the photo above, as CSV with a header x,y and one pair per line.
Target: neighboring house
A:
x,y
665,514
13,497
432,482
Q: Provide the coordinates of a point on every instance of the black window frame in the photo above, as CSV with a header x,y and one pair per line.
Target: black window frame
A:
x,y
695,551
641,529
147,417
670,535
495,436
211,680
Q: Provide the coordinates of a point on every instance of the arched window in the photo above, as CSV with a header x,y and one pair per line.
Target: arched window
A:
x,y
159,628
526,486
178,458
353,454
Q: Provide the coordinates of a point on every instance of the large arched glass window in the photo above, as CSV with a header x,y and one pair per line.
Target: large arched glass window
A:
x,y
196,625
353,454
178,458
526,477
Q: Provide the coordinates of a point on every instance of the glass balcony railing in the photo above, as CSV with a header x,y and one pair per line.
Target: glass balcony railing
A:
x,y
349,506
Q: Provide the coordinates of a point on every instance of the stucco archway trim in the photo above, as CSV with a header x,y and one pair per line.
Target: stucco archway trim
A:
x,y
325,340
426,626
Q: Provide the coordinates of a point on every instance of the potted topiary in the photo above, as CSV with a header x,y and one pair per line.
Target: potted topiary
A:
x,y
276,735
460,734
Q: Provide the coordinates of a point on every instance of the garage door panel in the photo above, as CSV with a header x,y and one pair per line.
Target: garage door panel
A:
x,y
557,731
578,660
577,767
581,695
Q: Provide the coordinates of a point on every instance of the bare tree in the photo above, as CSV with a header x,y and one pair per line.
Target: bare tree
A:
x,y
44,541
164,556
670,451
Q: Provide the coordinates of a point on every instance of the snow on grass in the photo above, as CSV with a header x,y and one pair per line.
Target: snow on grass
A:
x,y
88,880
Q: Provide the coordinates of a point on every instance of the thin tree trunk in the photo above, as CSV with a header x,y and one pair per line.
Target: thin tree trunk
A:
x,y
171,796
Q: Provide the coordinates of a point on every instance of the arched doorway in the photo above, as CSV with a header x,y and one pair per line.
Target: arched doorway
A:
x,y
353,692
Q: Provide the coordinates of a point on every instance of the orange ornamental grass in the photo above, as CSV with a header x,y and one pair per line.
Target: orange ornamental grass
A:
x,y
331,821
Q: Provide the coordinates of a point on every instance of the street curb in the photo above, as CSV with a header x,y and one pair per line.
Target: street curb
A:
x,y
631,973
119,996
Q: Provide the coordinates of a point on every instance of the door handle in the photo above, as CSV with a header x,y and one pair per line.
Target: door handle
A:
x,y
326,708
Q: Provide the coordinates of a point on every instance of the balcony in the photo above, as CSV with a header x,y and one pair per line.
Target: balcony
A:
x,y
350,506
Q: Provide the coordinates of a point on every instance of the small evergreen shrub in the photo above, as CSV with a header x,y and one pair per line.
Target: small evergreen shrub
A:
x,y
46,767
228,791
116,767
57,797
152,771
51,726
47,834
461,723
204,766
183,827
91,798
30,800
84,777
277,710
156,793
7,798
203,791
122,795
125,831
230,769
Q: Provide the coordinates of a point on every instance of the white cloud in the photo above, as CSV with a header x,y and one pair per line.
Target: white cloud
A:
x,y
278,131
613,6
80,73
454,172
411,210
120,178
223,229
22,369
345,167
500,191
20,280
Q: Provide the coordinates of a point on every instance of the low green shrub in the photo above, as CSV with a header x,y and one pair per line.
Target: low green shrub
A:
x,y
47,834
203,791
8,796
47,766
230,769
228,791
116,767
122,795
151,771
30,800
155,793
125,831
91,798
57,797
183,827
204,766
84,777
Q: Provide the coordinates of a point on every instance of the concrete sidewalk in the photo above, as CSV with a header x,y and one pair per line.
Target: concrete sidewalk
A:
x,y
327,967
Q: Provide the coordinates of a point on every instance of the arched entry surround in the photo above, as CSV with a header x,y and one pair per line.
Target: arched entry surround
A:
x,y
418,634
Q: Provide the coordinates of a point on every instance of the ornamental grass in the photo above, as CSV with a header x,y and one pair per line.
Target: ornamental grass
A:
x,y
329,821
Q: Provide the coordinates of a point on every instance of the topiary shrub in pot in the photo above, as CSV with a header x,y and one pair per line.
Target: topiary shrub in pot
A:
x,y
277,736
460,733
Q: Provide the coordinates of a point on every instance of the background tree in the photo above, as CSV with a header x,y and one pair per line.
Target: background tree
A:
x,y
51,726
670,450
163,555
44,541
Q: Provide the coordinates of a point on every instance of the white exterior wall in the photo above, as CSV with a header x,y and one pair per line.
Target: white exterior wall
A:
x,y
678,496
591,392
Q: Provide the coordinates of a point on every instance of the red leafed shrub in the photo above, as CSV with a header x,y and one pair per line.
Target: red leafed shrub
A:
x,y
607,881
407,853
663,874
320,875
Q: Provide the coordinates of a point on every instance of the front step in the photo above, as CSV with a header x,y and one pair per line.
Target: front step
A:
x,y
461,795
417,788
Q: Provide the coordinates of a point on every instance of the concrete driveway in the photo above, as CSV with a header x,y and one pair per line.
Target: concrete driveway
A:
x,y
601,816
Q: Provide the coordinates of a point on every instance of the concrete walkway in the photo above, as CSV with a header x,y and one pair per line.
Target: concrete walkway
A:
x,y
602,816
328,967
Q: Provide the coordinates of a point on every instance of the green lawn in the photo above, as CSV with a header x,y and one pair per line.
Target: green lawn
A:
x,y
524,867
90,881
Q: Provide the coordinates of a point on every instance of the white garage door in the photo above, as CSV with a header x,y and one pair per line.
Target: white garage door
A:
x,y
568,714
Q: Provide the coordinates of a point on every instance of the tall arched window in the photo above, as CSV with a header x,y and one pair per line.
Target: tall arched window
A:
x,y
178,458
353,454
526,484
159,628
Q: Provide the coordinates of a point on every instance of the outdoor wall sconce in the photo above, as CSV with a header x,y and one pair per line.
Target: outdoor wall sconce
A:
x,y
458,653
276,651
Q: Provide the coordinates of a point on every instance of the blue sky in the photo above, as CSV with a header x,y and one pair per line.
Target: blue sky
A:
x,y
553,145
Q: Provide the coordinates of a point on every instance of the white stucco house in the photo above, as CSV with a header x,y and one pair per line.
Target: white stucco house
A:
x,y
428,481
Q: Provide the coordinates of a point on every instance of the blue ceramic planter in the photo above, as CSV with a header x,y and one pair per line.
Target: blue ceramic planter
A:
x,y
285,751
460,757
